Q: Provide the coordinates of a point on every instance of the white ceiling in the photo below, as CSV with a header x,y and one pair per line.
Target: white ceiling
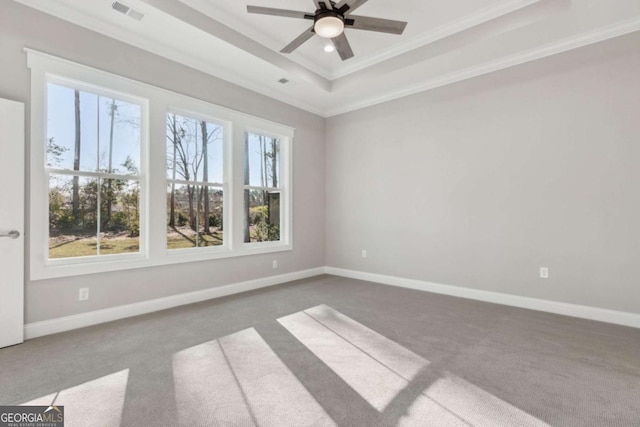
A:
x,y
276,32
445,41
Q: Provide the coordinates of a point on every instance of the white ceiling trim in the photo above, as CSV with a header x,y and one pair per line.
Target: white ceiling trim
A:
x,y
128,37
44,61
215,28
326,108
581,40
356,64
208,8
449,29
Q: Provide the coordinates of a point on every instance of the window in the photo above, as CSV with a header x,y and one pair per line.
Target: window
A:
x,y
195,186
261,188
93,168
128,175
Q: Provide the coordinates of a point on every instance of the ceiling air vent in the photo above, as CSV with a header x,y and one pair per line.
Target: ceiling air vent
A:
x,y
122,8
126,10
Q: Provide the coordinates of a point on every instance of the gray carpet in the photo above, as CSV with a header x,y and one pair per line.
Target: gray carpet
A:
x,y
334,351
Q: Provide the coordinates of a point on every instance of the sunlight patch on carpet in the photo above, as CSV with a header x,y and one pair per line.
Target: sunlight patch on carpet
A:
x,y
381,370
95,403
239,380
359,365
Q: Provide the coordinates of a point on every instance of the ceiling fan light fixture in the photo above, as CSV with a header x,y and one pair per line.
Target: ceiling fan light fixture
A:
x,y
329,27
329,22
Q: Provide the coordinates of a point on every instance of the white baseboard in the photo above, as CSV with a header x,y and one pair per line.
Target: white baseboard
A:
x,y
574,310
67,323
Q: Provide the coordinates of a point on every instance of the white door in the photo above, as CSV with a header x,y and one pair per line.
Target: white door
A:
x,y
12,144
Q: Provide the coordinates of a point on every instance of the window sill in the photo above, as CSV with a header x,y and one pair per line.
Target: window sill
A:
x,y
57,269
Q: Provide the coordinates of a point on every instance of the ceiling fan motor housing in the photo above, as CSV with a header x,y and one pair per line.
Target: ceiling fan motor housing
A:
x,y
327,13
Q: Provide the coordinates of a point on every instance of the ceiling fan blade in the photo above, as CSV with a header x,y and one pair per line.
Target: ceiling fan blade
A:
x,y
323,4
349,6
342,46
279,12
298,41
377,24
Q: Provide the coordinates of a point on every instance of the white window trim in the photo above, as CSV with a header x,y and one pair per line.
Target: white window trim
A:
x,y
285,190
156,104
208,113
141,177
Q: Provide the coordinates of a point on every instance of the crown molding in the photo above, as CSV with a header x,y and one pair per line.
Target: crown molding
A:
x,y
72,15
131,38
354,65
214,27
564,45
480,17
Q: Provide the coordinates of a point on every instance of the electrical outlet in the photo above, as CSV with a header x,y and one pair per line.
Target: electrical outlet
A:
x,y
83,295
364,253
544,273
275,263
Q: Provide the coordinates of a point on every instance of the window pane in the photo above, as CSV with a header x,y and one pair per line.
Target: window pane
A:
x,y
262,216
194,216
119,216
194,149
72,216
261,161
92,133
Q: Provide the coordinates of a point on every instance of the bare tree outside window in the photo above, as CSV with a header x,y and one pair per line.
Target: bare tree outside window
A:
x,y
195,182
93,153
261,191
97,162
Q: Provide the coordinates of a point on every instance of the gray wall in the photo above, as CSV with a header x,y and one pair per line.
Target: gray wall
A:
x,y
477,184
21,26
481,183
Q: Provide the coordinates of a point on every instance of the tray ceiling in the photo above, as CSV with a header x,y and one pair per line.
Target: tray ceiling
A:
x,y
444,42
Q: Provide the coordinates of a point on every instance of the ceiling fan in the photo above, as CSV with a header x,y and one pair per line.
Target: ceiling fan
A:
x,y
330,20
